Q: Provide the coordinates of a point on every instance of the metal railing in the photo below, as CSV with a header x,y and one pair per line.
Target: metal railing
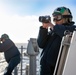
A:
x,y
19,70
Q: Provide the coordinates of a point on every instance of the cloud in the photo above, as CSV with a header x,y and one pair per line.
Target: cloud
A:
x,y
19,28
19,20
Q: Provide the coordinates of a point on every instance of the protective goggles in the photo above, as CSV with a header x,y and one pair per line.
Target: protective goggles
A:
x,y
58,17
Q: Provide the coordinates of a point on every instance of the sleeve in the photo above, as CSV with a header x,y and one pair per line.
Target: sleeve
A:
x,y
42,37
60,29
6,45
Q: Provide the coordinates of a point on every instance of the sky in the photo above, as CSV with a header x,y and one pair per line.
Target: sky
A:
x,y
20,18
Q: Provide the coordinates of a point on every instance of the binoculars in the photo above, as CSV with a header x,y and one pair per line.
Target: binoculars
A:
x,y
44,19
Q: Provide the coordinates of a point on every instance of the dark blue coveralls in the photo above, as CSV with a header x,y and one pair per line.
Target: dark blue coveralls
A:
x,y
12,55
50,43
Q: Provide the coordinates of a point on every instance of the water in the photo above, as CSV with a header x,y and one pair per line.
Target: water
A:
x,y
25,60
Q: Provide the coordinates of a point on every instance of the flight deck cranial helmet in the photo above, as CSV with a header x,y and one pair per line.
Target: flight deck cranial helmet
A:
x,y
62,12
4,36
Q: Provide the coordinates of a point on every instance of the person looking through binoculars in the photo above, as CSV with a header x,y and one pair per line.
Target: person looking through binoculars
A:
x,y
11,53
50,41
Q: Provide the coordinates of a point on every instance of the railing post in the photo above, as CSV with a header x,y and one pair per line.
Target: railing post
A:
x,y
16,71
21,58
27,69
